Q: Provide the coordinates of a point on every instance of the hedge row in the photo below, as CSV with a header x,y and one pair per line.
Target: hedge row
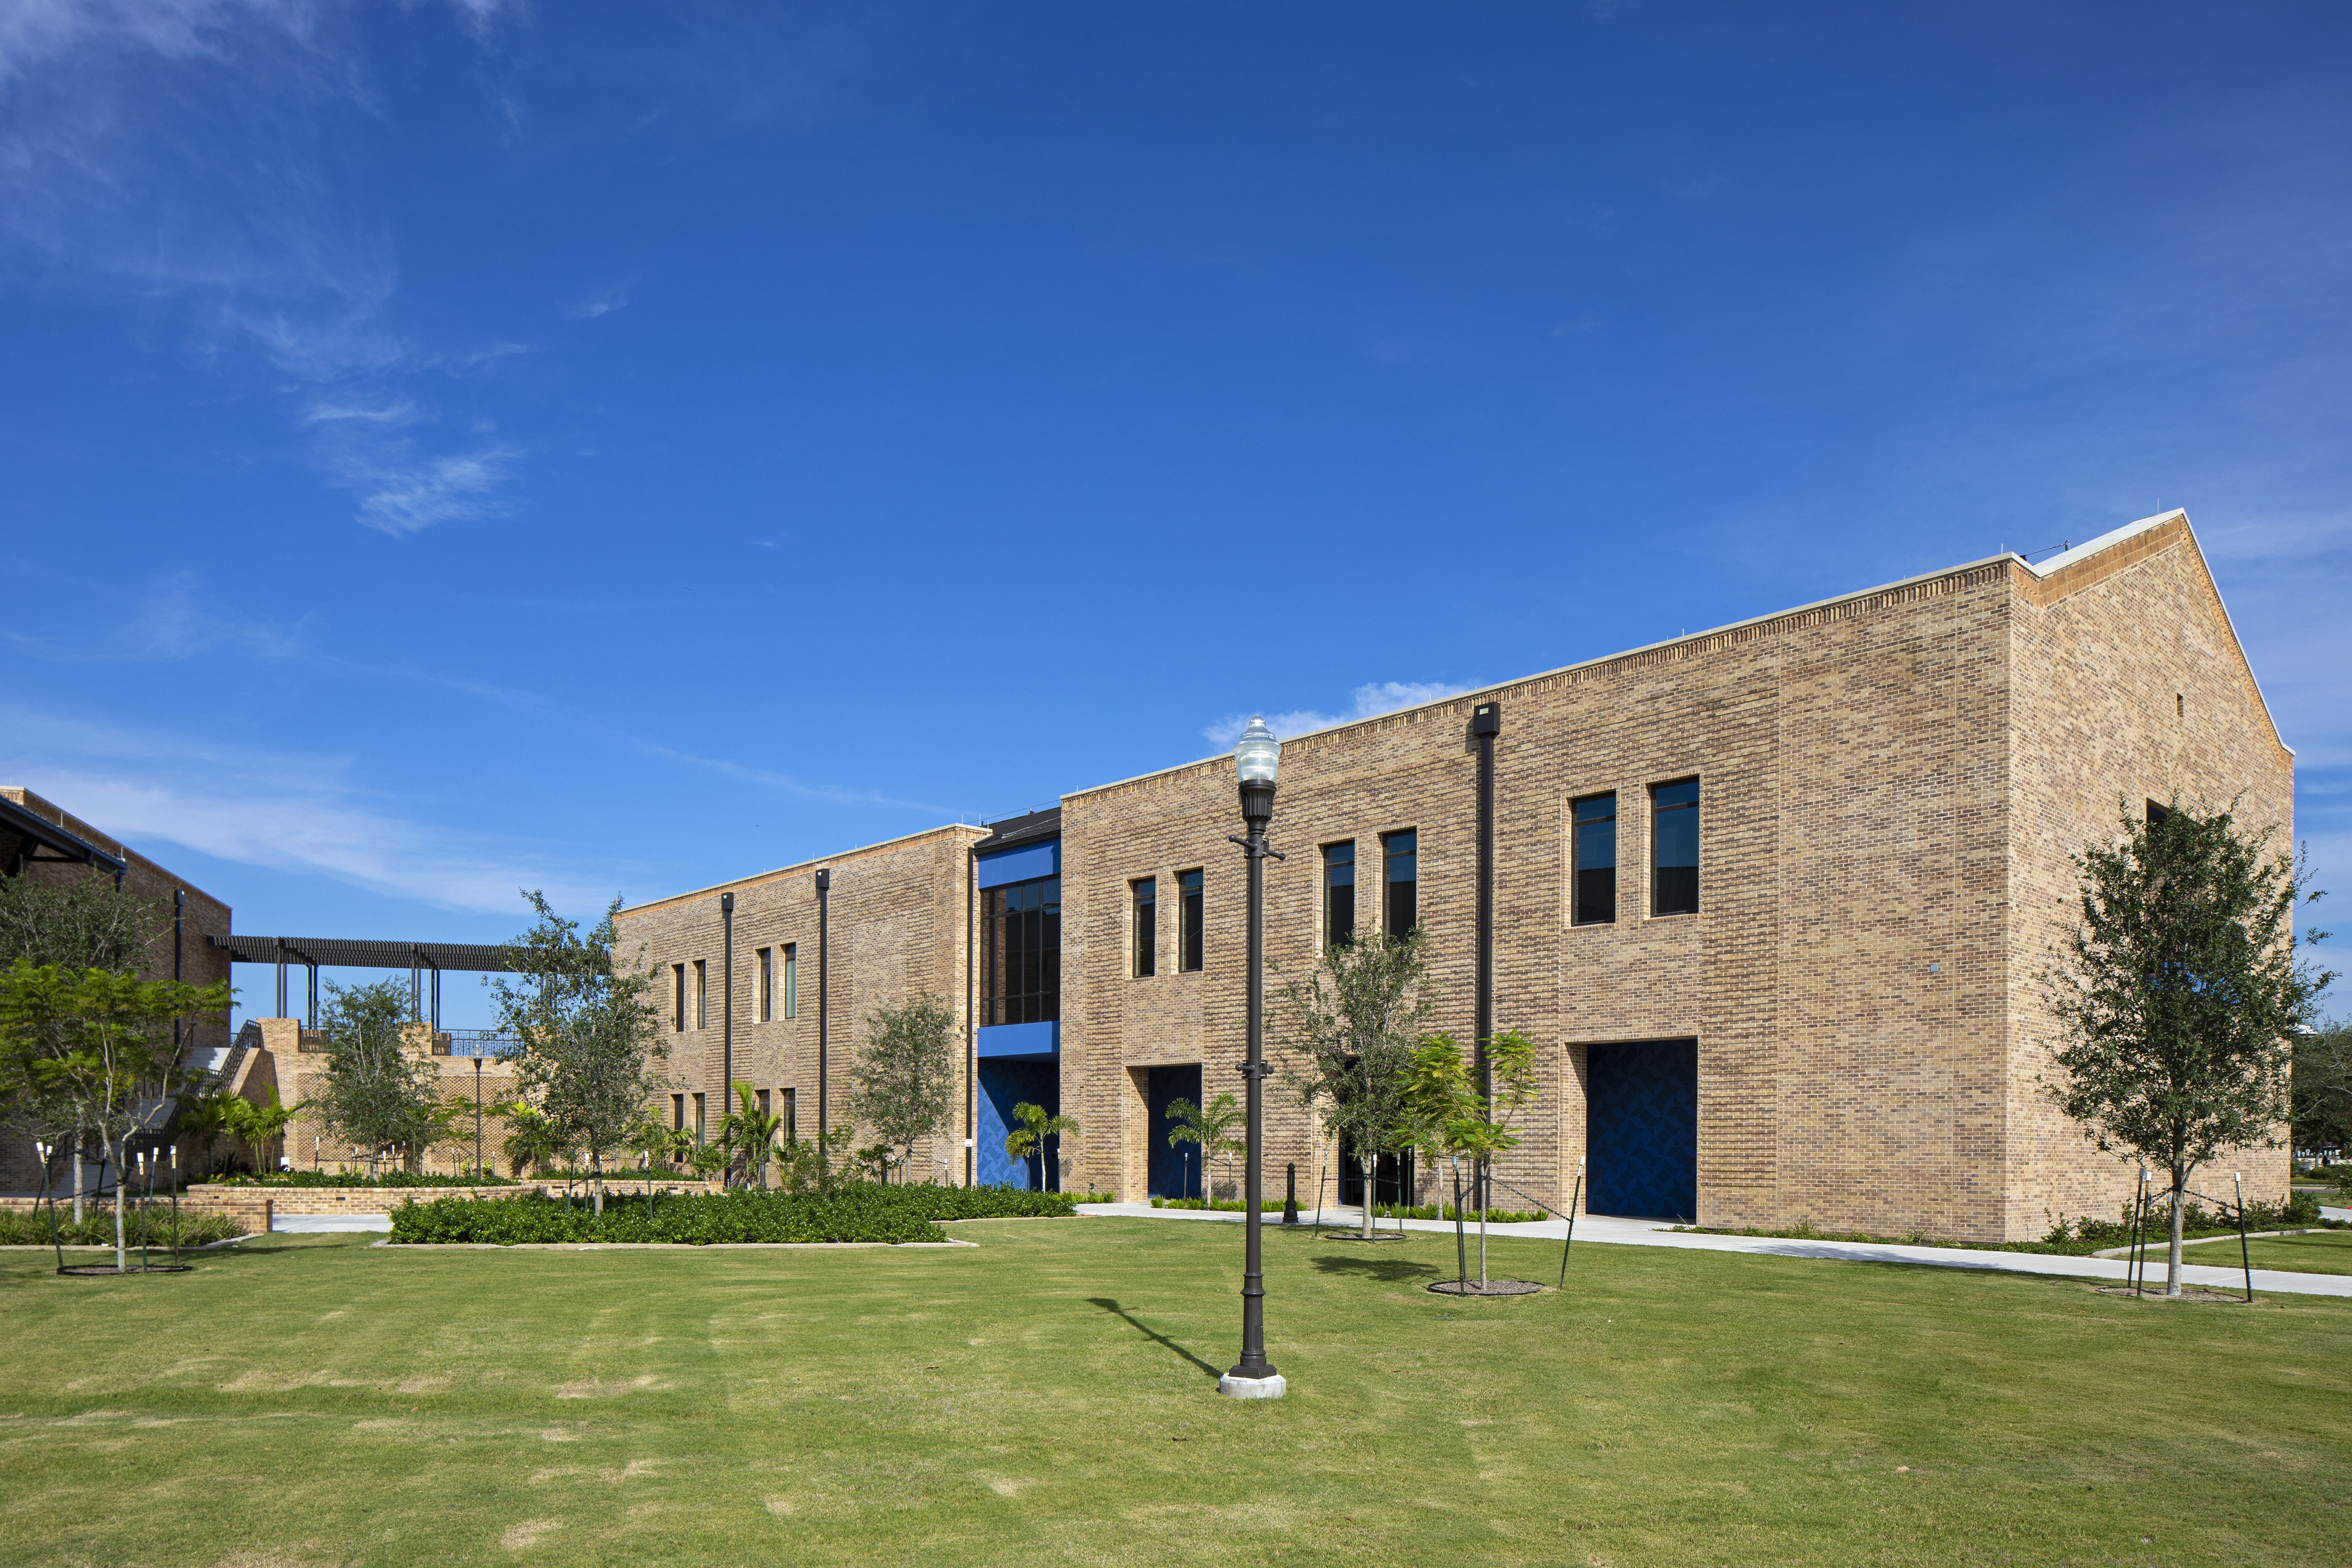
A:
x,y
96,1227
848,1211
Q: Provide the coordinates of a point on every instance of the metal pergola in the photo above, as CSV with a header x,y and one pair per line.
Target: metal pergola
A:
x,y
421,959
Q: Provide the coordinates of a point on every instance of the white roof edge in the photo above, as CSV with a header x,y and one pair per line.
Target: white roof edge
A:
x,y
809,865
1491,688
2107,540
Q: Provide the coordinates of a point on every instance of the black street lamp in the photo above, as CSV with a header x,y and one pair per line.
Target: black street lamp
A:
x,y
1255,758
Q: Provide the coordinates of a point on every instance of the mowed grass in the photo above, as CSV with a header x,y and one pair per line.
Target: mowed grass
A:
x,y
2318,1252
1048,1398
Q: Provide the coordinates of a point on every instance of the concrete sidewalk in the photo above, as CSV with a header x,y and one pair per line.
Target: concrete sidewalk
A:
x,y
1609,1232
321,1224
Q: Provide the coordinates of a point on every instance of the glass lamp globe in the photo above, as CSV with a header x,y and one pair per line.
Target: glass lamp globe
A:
x,y
1257,754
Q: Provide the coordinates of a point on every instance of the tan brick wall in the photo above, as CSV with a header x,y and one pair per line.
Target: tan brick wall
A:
x,y
1887,781
2129,689
297,1062
897,925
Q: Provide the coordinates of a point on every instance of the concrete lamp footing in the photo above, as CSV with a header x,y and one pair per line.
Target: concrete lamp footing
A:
x,y
1233,1387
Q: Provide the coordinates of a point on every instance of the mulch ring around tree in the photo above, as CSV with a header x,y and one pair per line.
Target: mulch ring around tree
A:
x,y
2187,1293
98,1270
1491,1288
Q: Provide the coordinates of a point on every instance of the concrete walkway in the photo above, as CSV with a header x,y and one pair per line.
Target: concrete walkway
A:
x,y
1610,1232
320,1223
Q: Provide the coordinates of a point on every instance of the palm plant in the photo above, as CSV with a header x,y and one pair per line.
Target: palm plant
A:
x,y
255,1125
1029,1138
1212,1128
750,1134
532,1140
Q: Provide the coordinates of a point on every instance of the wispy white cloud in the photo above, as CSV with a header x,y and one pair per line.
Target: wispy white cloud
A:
x,y
1371,699
603,302
401,499
167,620
284,811
400,412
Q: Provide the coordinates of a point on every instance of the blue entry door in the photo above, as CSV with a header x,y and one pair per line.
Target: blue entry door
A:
x,y
1175,1169
1641,1130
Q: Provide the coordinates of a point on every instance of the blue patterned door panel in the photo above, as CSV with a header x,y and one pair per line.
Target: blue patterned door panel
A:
x,y
1642,1110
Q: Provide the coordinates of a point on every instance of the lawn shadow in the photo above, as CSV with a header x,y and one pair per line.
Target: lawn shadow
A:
x,y
1112,1307
1388,1270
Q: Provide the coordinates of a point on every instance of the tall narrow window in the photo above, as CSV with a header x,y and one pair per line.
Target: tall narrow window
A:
x,y
698,1119
2156,815
677,997
1021,933
1400,882
764,1102
1188,883
677,1112
767,977
1339,894
702,991
792,1121
1674,848
792,980
1147,927
1596,859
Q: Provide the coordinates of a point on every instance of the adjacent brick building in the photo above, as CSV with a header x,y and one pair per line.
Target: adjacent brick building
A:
x,y
1773,900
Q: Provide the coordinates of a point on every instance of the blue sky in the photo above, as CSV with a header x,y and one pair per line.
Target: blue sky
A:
x,y
445,447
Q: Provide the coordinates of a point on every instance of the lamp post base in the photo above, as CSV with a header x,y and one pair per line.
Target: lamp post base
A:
x,y
1233,1387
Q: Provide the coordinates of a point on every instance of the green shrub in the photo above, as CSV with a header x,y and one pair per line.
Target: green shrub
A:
x,y
96,1227
848,1211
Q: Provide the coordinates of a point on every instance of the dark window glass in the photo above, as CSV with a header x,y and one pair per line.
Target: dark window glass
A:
x,y
792,980
1339,894
1021,929
698,1119
1596,859
678,999
1147,928
1401,875
1189,884
767,988
701,993
677,1112
764,1102
2156,814
791,1118
1674,848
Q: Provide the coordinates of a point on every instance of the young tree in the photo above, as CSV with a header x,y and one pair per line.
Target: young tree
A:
x,y
588,1029
379,1094
101,1043
1029,1138
1214,1128
905,1077
2322,1088
77,922
1453,1119
2178,994
1348,1031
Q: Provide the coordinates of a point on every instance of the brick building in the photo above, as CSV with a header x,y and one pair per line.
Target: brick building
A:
x,y
1772,900
43,841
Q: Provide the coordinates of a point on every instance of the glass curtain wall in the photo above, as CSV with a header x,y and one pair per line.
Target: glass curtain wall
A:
x,y
1021,931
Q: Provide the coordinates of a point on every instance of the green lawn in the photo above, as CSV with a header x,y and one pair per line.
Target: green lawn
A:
x,y
1048,1398
2321,1252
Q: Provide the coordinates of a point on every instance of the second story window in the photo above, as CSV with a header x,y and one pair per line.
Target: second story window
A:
x,y
1674,848
702,991
1339,894
1147,927
792,980
767,981
1188,883
677,997
1594,896
1400,882
1021,926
